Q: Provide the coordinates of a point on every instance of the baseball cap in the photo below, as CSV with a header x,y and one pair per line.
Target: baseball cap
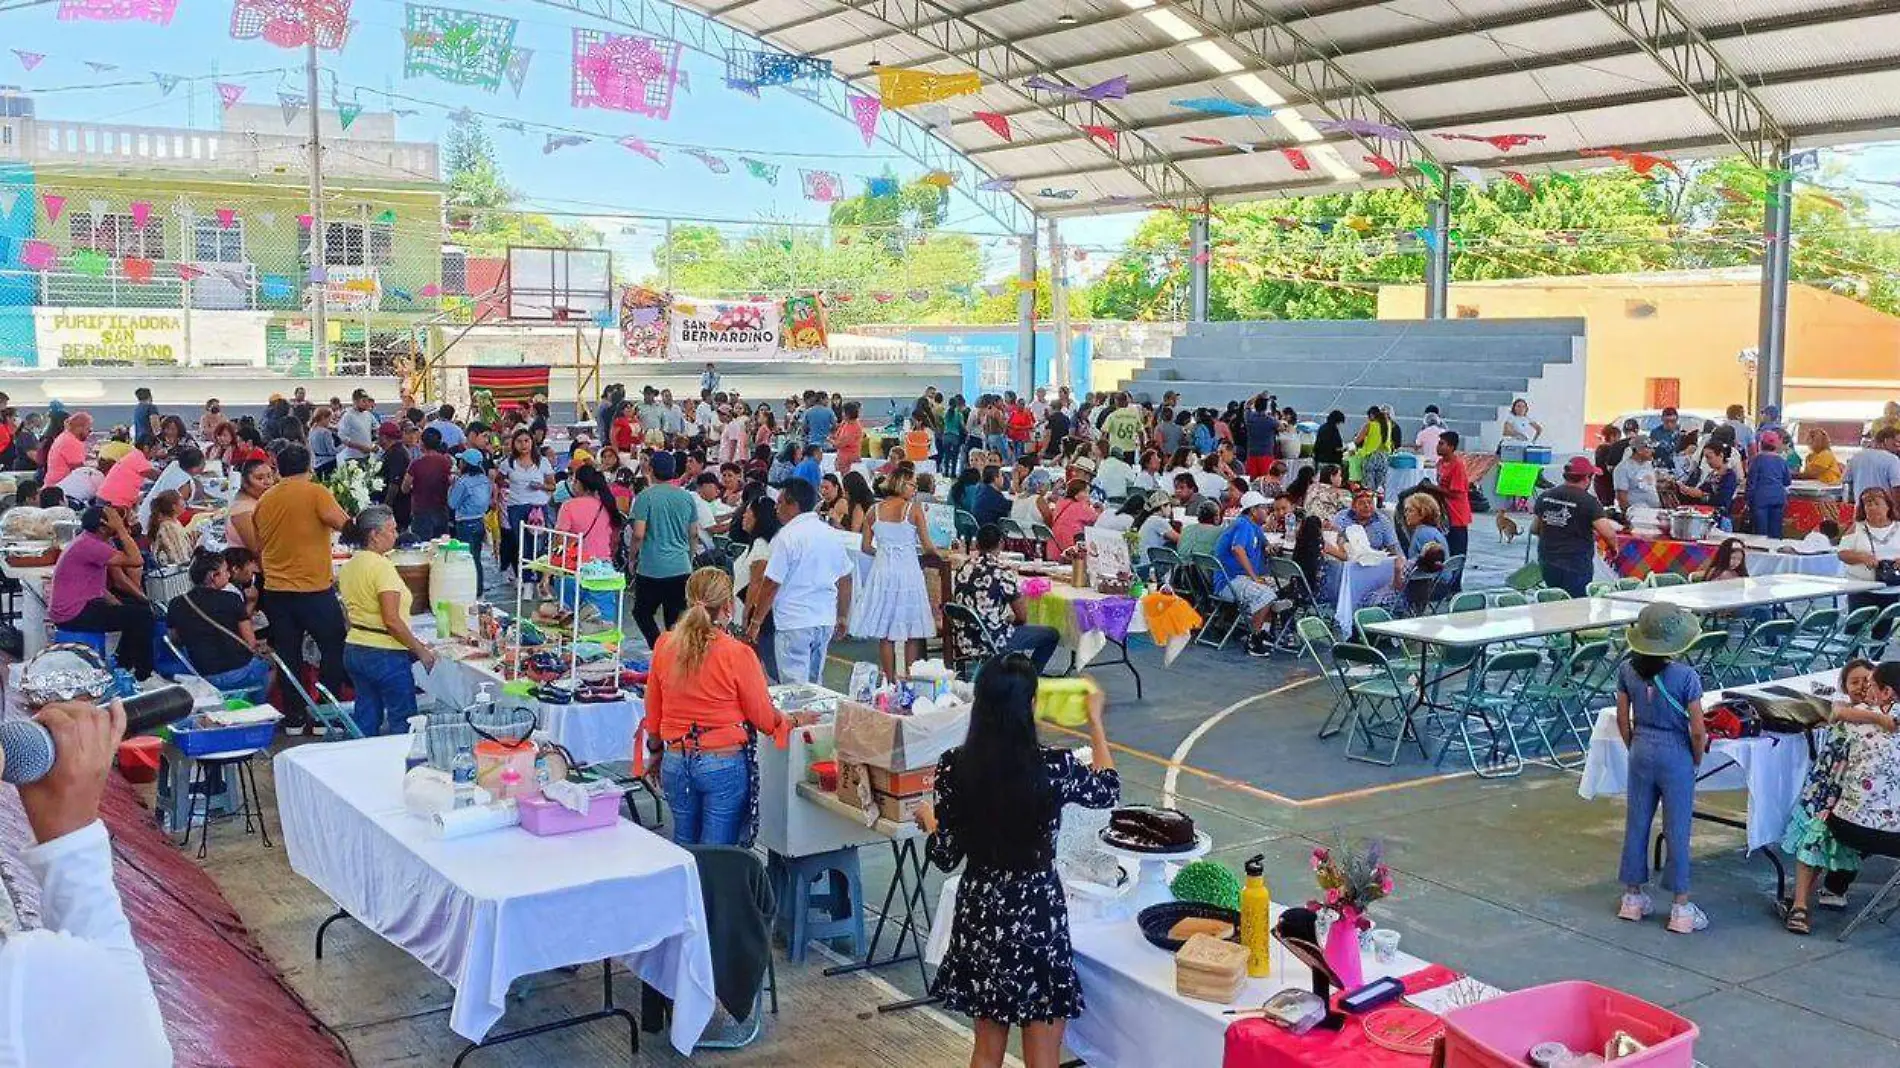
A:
x,y
390,430
472,457
579,457
1579,466
1251,499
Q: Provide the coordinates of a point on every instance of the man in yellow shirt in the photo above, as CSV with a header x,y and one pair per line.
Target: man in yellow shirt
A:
x,y
293,520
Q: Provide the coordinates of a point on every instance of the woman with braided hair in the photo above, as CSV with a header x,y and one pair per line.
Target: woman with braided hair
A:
x,y
706,703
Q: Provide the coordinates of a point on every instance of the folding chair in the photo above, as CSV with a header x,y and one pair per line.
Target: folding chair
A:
x,y
1814,637
1853,630
1291,582
1563,699
254,695
1873,903
1625,584
1317,641
1043,536
1703,653
1492,699
1213,585
1450,580
1416,598
1599,588
1509,599
1873,643
1662,580
967,526
1762,654
1162,564
332,715
756,914
1467,601
1392,649
1549,594
1378,704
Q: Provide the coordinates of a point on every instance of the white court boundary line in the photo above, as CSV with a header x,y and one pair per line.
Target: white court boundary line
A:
x,y
1179,758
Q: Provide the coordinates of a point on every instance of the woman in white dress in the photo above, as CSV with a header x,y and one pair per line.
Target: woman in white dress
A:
x,y
892,605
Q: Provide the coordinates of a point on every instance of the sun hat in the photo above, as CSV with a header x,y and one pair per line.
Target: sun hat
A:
x,y
1251,500
1662,630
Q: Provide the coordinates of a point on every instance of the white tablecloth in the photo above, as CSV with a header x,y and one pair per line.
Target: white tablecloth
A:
x,y
35,594
1356,583
591,732
1791,564
1771,767
1400,479
482,911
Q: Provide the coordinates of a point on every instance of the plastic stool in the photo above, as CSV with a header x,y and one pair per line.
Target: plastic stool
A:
x,y
841,903
93,638
245,774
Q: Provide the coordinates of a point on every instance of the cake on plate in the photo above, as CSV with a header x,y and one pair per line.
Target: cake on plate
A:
x,y
1149,829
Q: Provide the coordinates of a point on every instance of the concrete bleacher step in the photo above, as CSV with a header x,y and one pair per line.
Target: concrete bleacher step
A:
x,y
1290,373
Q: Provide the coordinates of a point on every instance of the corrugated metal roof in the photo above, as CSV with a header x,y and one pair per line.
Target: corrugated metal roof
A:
x,y
1682,77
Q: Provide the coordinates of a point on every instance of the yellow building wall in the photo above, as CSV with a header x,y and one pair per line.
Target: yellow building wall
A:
x,y
1691,332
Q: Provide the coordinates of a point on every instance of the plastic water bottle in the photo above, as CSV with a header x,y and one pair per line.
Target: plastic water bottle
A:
x,y
462,775
541,773
418,743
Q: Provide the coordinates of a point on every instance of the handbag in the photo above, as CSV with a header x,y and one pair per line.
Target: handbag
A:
x,y
1887,572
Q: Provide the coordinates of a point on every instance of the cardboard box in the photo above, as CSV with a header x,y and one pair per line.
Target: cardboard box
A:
x,y
901,809
893,783
896,743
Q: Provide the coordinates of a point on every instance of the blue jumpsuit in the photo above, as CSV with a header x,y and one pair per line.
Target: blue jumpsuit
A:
x,y
1662,769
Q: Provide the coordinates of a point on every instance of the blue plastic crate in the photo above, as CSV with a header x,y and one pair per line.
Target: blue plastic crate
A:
x,y
197,743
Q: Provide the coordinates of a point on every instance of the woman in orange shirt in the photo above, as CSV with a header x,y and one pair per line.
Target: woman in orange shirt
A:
x,y
706,701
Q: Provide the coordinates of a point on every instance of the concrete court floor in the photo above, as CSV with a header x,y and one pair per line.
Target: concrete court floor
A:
x,y
1513,881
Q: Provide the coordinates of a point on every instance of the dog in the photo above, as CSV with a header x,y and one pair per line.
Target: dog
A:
x,y
1507,528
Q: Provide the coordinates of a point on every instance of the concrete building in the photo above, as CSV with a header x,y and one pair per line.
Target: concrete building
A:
x,y
172,247
1687,338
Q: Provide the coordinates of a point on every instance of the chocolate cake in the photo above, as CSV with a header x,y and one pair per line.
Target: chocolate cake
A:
x,y
1149,829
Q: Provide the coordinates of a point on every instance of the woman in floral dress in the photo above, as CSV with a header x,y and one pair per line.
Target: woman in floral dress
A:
x,y
999,805
1807,839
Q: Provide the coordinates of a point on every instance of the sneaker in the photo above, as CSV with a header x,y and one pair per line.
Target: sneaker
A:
x,y
1836,902
1635,907
1687,918
1280,606
1260,645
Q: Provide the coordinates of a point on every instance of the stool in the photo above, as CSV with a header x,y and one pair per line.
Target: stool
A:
x,y
246,775
93,638
841,904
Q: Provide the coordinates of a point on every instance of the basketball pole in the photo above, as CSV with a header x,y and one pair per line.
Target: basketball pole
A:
x,y
319,325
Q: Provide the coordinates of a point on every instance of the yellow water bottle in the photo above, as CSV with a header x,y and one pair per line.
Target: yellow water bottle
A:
x,y
1256,919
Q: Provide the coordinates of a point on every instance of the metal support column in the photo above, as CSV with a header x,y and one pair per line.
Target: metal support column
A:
x,y
317,278
1025,376
1058,309
1438,256
1198,258
1772,348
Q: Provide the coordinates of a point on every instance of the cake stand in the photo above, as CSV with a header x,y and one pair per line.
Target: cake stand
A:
x,y
1151,870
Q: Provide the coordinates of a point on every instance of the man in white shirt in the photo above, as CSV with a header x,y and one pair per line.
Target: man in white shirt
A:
x,y
1875,467
1113,475
1040,406
806,587
356,431
75,992
701,421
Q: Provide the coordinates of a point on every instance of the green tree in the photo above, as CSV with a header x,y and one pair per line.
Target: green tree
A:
x,y
482,210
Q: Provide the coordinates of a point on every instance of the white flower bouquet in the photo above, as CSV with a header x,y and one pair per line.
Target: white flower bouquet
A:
x,y
353,486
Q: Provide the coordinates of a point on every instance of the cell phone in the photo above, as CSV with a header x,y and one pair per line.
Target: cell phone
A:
x,y
1372,995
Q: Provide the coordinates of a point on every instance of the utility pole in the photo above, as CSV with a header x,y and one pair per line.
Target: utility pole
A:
x,y
318,274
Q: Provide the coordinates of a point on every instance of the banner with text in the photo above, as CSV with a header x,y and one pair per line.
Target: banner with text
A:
x,y
723,329
121,337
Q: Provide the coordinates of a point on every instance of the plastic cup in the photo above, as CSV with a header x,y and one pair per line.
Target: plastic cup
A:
x,y
1385,945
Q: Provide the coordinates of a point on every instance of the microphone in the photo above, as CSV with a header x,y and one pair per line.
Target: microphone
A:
x,y
29,746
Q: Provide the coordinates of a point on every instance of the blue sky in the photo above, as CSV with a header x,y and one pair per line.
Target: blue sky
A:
x,y
599,179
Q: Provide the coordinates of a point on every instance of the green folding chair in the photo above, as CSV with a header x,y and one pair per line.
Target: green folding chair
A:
x,y
1763,654
1317,642
1873,644
1814,636
1558,705
1599,588
1394,650
1213,584
1378,712
1626,584
1508,599
1551,593
1662,580
1467,601
1705,652
1487,710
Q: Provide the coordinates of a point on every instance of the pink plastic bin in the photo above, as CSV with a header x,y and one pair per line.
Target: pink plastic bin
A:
x,y
1500,1033
543,817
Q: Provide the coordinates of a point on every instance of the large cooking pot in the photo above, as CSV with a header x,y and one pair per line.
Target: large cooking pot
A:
x,y
1690,526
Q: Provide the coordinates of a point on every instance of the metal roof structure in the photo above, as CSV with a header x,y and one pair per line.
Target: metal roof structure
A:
x,y
1694,77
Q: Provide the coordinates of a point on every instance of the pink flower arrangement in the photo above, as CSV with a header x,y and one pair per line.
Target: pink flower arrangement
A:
x,y
1352,876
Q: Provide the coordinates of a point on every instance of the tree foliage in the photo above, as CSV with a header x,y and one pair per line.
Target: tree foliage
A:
x,y
482,205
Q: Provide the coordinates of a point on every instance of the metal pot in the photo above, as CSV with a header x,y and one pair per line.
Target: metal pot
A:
x,y
1690,526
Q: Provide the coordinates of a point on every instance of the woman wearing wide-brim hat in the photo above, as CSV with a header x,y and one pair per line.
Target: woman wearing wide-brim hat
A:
x,y
1659,714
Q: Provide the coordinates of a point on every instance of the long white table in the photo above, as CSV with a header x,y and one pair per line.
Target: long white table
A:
x,y
592,732
35,595
1727,595
1769,768
482,911
1489,626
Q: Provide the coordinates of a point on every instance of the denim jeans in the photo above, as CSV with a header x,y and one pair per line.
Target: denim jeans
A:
x,y
249,679
1574,581
1766,518
950,455
707,796
429,525
999,445
801,653
1038,641
473,532
511,548
1661,772
385,688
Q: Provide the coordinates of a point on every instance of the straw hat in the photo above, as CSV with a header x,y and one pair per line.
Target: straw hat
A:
x,y
1662,630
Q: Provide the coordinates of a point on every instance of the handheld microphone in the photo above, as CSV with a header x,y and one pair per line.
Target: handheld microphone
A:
x,y
29,747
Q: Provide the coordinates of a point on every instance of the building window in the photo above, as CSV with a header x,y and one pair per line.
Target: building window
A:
x,y
118,235
213,243
359,245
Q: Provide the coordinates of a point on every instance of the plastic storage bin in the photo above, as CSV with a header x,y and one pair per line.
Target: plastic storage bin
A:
x,y
197,743
1500,1033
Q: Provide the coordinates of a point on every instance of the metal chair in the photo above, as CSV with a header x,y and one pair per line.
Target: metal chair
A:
x,y
1563,699
1762,654
1467,601
966,660
1378,704
1599,588
1212,585
1853,630
1492,699
1392,649
1873,643
1163,562
1291,582
1814,636
1624,584
967,526
1551,593
1508,599
1317,641
1703,653
1417,596
758,915
1662,580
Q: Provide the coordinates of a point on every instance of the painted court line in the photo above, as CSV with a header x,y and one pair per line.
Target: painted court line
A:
x,y
1181,751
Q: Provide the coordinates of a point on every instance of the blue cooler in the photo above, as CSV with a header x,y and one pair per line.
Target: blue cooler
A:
x,y
1403,461
1541,455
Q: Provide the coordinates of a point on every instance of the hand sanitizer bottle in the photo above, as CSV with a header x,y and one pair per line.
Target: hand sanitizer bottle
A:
x,y
418,744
